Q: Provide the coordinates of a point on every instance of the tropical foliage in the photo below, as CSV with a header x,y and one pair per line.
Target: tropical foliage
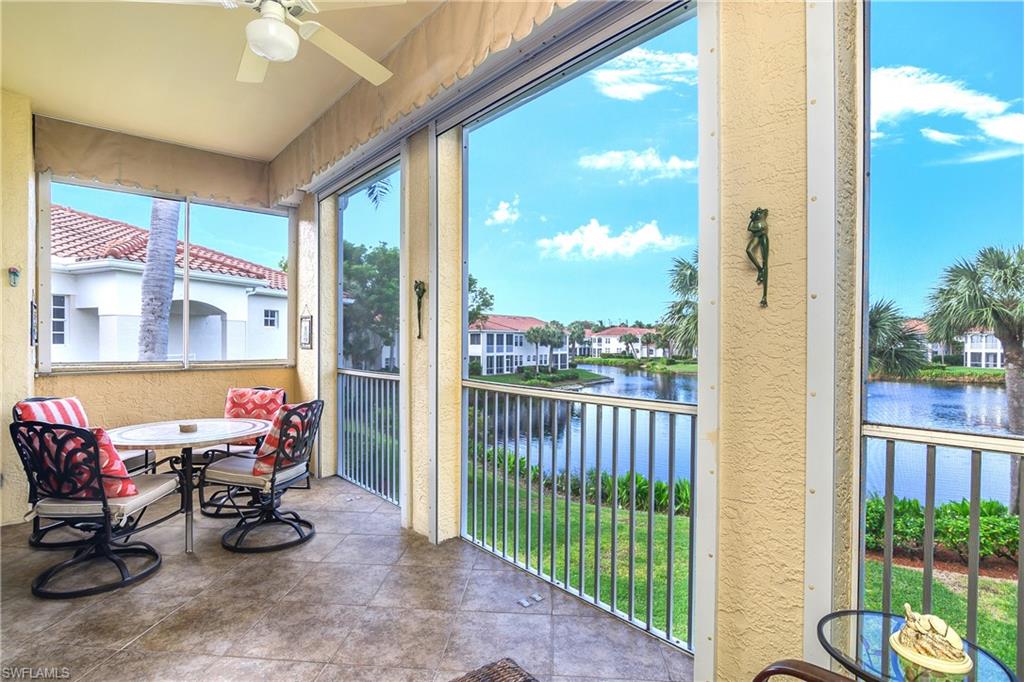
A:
x,y
894,347
679,322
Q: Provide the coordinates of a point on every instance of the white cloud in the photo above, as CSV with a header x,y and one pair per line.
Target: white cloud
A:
x,y
507,213
877,135
942,137
982,157
639,166
640,72
1008,127
595,241
900,91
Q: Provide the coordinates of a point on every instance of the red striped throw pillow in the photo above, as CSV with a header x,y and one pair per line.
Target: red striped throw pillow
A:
x,y
81,484
111,464
267,454
255,403
56,411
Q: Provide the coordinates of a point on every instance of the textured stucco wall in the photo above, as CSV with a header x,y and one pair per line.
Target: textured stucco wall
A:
x,y
849,232
307,278
416,208
18,214
328,334
449,324
763,350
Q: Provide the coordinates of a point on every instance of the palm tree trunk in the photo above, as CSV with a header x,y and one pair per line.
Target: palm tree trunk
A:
x,y
158,280
1013,354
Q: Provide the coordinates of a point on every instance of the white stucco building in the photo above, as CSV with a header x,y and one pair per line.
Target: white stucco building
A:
x,y
609,342
499,344
238,310
982,349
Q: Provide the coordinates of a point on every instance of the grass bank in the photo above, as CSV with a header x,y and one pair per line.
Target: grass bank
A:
x,y
650,365
952,375
558,378
494,507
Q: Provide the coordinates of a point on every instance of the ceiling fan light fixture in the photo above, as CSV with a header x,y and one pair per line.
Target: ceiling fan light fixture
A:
x,y
270,37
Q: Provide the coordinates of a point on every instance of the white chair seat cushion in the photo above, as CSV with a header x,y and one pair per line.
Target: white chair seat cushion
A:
x,y
234,448
152,487
238,471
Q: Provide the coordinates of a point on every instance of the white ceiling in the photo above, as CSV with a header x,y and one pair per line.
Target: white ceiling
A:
x,y
167,72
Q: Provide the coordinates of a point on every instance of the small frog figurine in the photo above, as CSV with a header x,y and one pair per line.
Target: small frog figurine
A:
x,y
758,246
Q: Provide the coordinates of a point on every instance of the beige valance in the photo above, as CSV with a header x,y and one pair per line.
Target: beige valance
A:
x,y
79,151
447,46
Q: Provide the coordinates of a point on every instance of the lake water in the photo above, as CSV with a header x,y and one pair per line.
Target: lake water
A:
x,y
954,407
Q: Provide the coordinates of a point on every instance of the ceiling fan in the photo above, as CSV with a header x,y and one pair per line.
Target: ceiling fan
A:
x,y
270,38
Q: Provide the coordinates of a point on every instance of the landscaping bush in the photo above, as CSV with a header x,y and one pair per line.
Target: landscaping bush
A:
x,y
998,530
475,369
537,383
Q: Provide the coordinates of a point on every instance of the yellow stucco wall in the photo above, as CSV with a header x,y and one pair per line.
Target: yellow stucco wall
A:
x,y
328,335
763,350
415,209
18,215
449,325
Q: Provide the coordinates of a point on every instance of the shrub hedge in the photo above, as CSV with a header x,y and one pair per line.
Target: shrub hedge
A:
x,y
998,529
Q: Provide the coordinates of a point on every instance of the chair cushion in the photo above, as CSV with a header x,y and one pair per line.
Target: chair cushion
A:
x,y
267,454
111,464
56,411
151,487
256,403
238,471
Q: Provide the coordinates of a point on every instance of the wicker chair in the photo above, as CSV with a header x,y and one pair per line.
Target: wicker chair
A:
x,y
66,483
288,464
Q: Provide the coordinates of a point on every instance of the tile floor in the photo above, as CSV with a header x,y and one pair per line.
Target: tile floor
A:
x,y
363,600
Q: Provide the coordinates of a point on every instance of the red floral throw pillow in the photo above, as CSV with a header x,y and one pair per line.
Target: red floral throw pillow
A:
x,y
57,411
255,403
267,454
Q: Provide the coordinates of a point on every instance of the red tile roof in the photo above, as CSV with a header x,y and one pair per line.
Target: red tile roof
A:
x,y
87,237
619,331
510,323
916,325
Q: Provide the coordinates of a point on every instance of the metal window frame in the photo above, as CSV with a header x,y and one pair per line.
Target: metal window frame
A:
x,y
63,318
44,363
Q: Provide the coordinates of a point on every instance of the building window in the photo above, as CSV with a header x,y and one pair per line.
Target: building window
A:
x,y
269,318
59,319
474,339
121,257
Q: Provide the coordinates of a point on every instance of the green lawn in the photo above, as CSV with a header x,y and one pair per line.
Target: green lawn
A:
x,y
997,604
980,375
997,612
506,532
577,376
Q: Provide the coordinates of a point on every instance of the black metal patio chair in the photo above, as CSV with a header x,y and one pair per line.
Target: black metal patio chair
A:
x,y
67,484
256,497
40,528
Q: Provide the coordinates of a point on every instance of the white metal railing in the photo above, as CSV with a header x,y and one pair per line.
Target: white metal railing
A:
x,y
925,526
589,492
369,442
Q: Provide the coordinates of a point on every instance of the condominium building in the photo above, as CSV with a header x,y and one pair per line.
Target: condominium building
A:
x,y
610,342
982,349
499,344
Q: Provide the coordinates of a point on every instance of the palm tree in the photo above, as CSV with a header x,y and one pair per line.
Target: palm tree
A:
x,y
988,293
577,335
680,320
158,280
894,348
537,337
554,337
377,190
648,339
629,339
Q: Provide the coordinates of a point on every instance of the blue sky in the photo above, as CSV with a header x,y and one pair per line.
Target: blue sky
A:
x,y
946,173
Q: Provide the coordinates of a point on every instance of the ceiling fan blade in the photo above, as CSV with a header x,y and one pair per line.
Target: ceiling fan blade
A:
x,y
252,68
336,5
345,52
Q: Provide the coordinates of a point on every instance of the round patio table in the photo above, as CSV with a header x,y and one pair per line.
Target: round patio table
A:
x,y
167,436
859,641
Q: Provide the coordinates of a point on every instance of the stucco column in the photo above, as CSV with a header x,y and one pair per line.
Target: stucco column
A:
x,y
329,275
759,615
18,248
